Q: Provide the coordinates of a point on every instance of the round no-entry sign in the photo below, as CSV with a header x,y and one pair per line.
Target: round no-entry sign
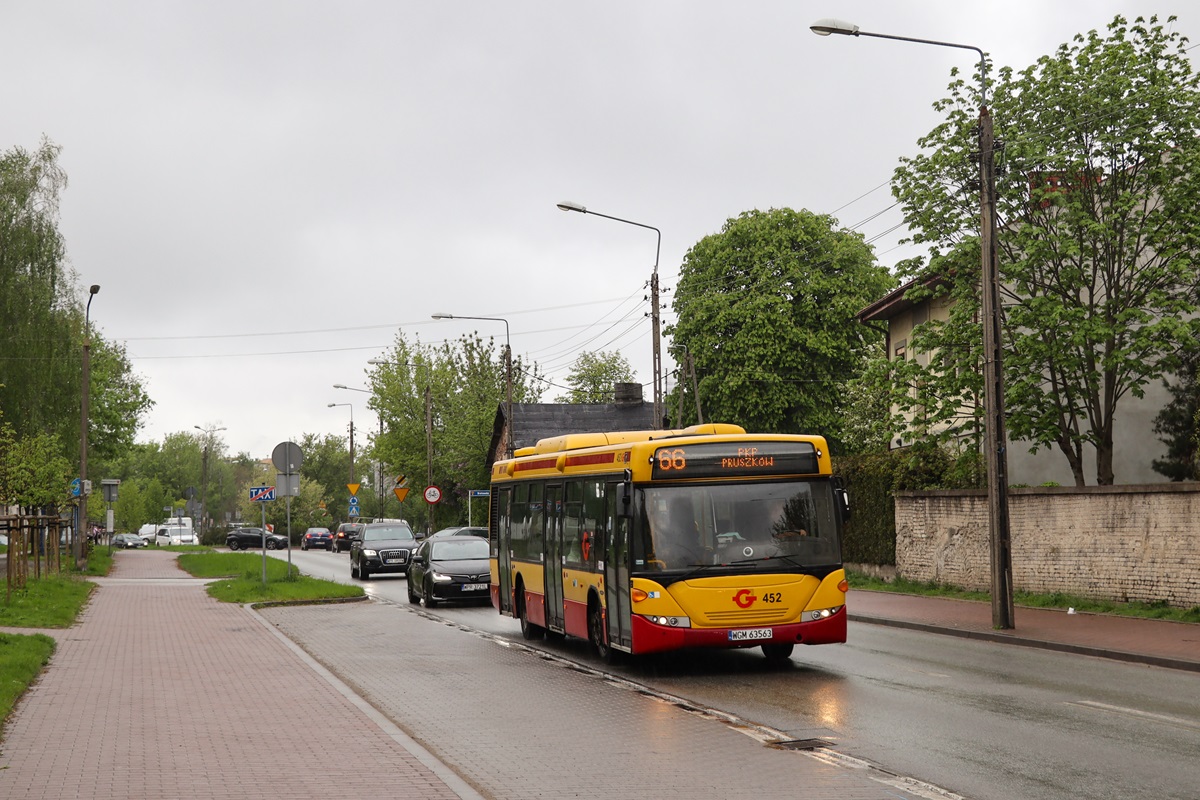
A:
x,y
433,494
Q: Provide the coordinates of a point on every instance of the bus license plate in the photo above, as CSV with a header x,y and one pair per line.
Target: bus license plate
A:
x,y
474,587
750,634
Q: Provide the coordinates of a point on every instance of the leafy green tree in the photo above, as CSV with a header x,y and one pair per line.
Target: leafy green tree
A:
x,y
1178,424
42,321
327,464
33,472
767,308
593,375
40,338
467,383
1099,231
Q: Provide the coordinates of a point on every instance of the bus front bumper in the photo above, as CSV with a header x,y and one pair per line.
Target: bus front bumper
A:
x,y
649,637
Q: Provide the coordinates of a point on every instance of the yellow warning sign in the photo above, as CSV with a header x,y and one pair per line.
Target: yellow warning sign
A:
x,y
353,487
401,493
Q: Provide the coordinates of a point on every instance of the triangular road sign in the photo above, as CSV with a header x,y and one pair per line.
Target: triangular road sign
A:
x,y
353,487
401,493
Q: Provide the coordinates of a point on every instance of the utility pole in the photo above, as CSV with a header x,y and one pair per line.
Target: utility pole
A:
x,y
1003,612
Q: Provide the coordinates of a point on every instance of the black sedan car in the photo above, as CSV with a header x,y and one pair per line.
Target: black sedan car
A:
x,y
450,568
460,530
344,535
381,547
127,541
252,539
317,537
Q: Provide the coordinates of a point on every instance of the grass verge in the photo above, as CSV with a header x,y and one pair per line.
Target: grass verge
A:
x,y
53,601
244,579
1057,600
21,660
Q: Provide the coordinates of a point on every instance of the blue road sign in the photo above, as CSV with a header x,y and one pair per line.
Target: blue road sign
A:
x,y
262,494
353,501
481,493
353,511
76,487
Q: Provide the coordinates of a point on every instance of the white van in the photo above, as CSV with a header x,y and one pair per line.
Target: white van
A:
x,y
175,535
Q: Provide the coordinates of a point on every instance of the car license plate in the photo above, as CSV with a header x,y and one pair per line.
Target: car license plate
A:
x,y
474,587
750,634
393,561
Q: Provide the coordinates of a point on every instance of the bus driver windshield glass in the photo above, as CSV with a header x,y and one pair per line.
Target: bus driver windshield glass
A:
x,y
789,523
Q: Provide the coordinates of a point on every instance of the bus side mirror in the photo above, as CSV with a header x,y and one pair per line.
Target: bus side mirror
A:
x,y
625,496
843,498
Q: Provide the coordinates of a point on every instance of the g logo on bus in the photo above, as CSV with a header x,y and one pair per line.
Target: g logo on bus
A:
x,y
744,598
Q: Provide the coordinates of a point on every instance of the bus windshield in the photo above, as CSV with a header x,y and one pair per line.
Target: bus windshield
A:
x,y
788,524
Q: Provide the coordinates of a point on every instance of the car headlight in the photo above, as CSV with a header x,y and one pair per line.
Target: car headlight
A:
x,y
440,577
370,553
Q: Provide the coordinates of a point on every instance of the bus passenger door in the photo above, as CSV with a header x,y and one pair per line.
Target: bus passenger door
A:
x,y
554,557
616,571
498,522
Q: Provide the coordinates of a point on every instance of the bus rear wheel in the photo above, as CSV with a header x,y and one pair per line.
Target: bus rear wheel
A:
x,y
778,652
529,631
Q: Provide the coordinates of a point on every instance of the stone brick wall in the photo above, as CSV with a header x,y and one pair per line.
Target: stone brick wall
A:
x,y
1124,543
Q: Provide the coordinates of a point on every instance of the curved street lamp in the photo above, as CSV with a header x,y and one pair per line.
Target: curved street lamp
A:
x,y
351,406
208,435
85,393
993,371
508,423
655,320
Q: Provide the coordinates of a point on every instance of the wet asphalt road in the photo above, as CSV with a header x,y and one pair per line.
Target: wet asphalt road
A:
x,y
986,721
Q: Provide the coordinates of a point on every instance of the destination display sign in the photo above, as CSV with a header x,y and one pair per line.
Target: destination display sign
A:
x,y
734,459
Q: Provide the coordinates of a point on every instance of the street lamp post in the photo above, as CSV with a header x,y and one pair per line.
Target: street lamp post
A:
x,y
379,487
208,434
508,426
83,424
379,362
351,406
993,371
655,320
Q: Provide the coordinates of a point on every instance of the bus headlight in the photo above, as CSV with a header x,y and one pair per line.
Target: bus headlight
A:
x,y
823,613
669,622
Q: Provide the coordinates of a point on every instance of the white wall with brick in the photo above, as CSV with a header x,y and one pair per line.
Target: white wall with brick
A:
x,y
1125,543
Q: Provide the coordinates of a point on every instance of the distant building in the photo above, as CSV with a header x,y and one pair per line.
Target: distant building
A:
x,y
1135,444
533,422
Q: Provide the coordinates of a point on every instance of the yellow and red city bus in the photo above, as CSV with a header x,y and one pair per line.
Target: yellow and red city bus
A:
x,y
650,541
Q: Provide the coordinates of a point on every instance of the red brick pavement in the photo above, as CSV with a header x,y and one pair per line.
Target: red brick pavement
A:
x,y
1146,641
161,692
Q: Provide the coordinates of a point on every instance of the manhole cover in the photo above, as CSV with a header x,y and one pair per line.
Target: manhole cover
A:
x,y
801,744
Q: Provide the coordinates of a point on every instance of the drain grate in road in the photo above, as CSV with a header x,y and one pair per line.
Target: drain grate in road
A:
x,y
801,744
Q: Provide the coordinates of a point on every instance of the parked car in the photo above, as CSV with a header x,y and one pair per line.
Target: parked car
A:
x,y
381,547
175,535
450,568
127,541
459,530
344,534
252,539
317,537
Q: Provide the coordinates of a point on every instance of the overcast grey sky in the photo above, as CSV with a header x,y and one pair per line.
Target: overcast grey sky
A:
x,y
267,191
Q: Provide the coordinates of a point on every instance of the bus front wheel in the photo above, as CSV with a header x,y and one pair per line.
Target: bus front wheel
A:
x,y
598,633
778,652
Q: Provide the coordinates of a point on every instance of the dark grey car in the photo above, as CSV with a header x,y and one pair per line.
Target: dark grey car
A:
x,y
450,568
381,547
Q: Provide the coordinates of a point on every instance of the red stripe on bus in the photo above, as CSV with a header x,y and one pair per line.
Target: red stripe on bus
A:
x,y
595,458
541,463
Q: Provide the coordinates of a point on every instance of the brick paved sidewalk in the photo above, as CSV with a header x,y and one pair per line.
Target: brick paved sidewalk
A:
x,y
161,692
1146,641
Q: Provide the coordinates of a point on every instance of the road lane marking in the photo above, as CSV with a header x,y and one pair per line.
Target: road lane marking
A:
x,y
1149,716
